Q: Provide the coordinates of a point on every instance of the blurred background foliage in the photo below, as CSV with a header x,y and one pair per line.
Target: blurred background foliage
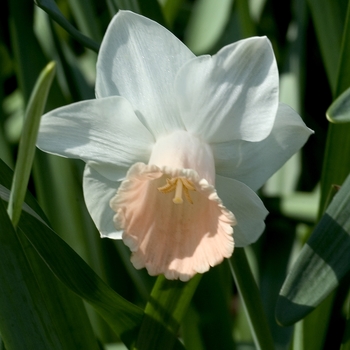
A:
x,y
306,38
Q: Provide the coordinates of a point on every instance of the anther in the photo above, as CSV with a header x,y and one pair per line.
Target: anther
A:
x,y
178,185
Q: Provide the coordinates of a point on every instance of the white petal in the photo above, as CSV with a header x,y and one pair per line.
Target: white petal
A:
x,y
231,95
110,171
103,131
98,192
138,60
246,206
254,162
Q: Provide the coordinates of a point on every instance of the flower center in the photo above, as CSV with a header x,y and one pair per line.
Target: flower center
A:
x,y
179,185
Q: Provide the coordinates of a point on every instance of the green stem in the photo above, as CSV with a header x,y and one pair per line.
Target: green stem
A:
x,y
164,311
50,7
251,300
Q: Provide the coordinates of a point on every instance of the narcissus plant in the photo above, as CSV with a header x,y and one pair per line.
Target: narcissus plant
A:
x,y
176,145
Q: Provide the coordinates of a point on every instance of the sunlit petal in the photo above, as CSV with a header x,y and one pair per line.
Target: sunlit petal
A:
x,y
102,131
231,95
139,60
254,162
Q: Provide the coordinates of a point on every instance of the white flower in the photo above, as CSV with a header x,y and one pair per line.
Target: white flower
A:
x,y
175,145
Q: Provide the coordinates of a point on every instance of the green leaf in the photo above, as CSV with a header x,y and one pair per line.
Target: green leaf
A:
x,y
152,10
66,310
321,264
206,25
50,7
211,312
250,296
246,23
25,322
343,72
70,269
273,268
332,26
123,317
336,164
191,333
339,111
28,55
26,150
328,17
164,311
171,9
131,5
77,84
86,18
142,281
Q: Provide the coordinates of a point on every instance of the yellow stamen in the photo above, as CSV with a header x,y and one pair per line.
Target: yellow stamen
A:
x,y
169,187
178,184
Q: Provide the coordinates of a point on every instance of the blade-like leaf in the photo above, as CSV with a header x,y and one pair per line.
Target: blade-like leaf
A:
x,y
171,9
152,10
28,141
50,7
336,164
72,271
123,317
66,309
27,52
251,300
131,5
246,22
25,322
332,25
321,264
328,17
206,25
86,17
210,314
77,84
339,111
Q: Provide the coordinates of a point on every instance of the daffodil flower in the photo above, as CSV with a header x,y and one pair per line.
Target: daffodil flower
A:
x,y
175,145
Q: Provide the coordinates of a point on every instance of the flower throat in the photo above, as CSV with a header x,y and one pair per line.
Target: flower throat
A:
x,y
178,184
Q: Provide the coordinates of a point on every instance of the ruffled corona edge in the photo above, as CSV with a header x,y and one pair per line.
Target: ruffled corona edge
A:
x,y
177,240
